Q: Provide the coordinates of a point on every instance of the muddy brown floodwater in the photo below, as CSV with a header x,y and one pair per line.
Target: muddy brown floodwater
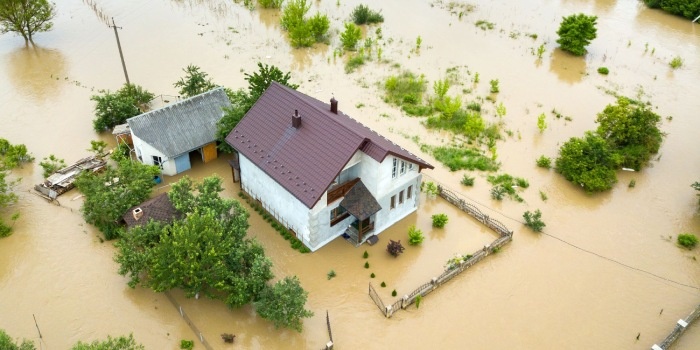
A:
x,y
537,293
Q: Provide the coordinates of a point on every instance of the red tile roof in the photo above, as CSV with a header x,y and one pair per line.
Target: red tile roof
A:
x,y
306,160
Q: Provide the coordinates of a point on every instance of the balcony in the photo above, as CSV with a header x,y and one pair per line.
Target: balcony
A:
x,y
339,191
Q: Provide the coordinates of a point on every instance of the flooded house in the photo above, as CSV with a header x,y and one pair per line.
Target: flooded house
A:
x,y
169,136
321,173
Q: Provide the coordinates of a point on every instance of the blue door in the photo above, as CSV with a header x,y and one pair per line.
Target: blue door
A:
x,y
182,163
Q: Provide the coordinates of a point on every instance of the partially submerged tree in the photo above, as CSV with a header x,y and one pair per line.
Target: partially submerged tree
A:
x,y
110,193
260,80
696,186
194,82
7,343
589,162
11,156
534,220
112,109
283,304
118,343
26,17
576,32
302,31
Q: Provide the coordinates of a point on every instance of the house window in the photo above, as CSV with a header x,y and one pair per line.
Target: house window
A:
x,y
401,197
410,166
158,161
403,167
338,214
393,202
409,192
393,169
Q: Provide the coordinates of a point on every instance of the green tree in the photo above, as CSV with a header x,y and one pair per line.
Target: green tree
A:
x,y
632,130
541,123
259,81
11,156
534,220
118,343
105,204
293,14
302,31
319,25
115,108
204,252
6,343
576,32
695,185
362,14
589,162
283,304
686,8
271,4
350,36
194,82
26,17
51,164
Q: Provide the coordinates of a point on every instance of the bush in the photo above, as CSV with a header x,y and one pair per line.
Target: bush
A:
x,y
350,36
330,274
302,31
112,109
393,293
544,162
603,70
676,62
367,264
405,89
534,220
576,32
354,62
365,255
686,8
362,14
372,275
588,162
687,240
383,284
439,220
461,158
186,344
394,247
418,300
51,164
506,184
271,4
415,236
467,180
494,86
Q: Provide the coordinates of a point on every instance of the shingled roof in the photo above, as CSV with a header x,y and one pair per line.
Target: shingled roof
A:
x,y
158,208
306,159
182,126
359,202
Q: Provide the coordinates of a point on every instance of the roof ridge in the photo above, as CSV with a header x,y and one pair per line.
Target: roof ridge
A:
x,y
181,102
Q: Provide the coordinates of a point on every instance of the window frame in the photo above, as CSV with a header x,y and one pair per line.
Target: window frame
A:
x,y
401,197
409,192
394,169
392,204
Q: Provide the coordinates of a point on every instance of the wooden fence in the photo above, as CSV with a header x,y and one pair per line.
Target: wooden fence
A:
x,y
189,322
459,265
680,327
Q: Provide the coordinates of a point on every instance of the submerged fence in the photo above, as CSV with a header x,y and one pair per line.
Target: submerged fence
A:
x,y
189,321
681,326
458,265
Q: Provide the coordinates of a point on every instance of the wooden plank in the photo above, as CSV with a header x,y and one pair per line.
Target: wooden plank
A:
x,y
209,152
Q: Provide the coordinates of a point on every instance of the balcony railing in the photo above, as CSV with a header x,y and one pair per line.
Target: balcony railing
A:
x,y
339,191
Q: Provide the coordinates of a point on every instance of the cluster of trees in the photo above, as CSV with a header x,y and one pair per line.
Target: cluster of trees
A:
x,y
118,343
115,108
627,136
687,8
26,17
110,193
207,252
576,32
11,156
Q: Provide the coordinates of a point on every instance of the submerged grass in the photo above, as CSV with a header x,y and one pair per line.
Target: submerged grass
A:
x,y
461,158
507,184
406,90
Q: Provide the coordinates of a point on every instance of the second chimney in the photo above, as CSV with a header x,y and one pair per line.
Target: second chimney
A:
x,y
138,213
334,105
296,119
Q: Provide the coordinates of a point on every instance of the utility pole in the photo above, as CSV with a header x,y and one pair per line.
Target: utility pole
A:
x,y
120,50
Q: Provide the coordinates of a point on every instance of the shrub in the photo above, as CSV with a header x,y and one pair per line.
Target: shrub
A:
x,y
415,236
544,162
494,86
497,192
418,300
51,164
686,8
439,220
362,14
687,240
367,264
383,284
588,162
405,89
354,62
603,70
467,180
372,275
461,158
112,109
330,274
186,344
271,4
541,123
394,247
676,62
393,293
430,189
576,32
319,25
350,36
534,220
506,184
365,255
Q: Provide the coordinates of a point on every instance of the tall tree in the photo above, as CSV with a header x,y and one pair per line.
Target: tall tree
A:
x,y
259,81
26,17
589,162
194,82
576,32
6,343
11,156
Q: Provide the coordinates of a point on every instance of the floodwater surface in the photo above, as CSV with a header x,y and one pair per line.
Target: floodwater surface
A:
x,y
607,269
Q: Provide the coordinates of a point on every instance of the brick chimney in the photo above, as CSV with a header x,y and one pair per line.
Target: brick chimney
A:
x,y
138,213
296,119
334,105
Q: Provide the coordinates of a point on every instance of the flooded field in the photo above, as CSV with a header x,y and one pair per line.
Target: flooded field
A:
x,y
616,274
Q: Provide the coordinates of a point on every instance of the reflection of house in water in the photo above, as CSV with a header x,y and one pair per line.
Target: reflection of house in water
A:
x,y
168,136
321,173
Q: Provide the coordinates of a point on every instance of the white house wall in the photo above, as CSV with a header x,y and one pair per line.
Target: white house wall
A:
x,y
146,152
388,186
